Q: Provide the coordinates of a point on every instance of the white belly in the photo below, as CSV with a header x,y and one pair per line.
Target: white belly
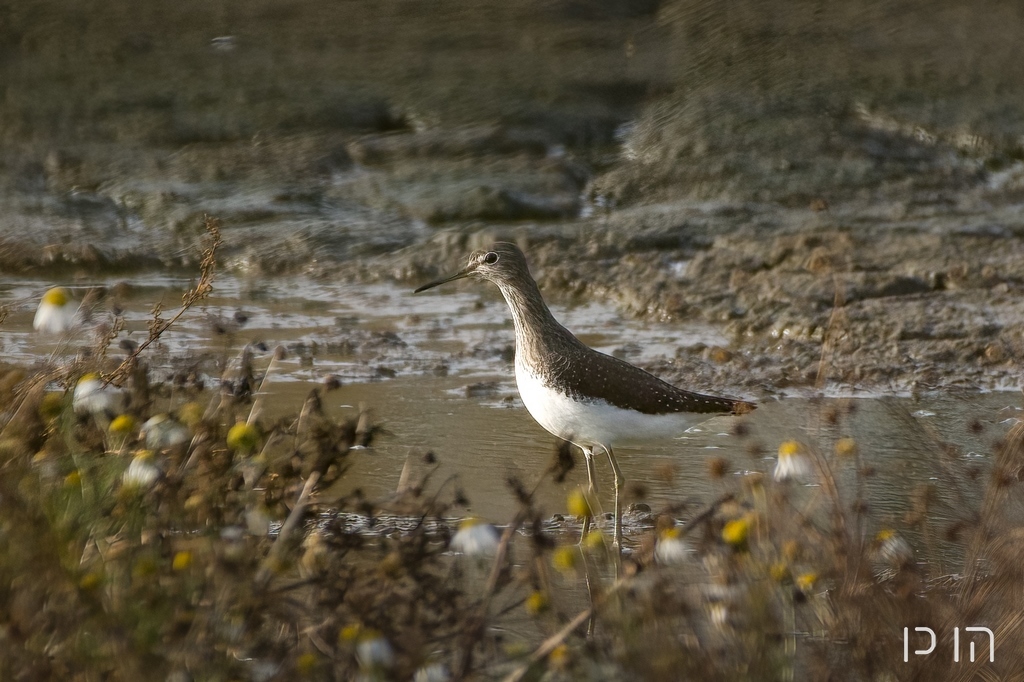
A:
x,y
597,422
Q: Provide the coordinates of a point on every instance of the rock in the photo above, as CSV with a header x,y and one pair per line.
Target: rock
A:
x,y
376,150
482,389
490,203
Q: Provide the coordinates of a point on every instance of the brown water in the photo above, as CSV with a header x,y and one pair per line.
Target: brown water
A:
x,y
482,443
436,371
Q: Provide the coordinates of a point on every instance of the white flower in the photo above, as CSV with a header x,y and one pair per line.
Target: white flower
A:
x,y
432,672
56,312
719,614
793,463
141,473
721,601
92,397
163,432
373,651
671,548
892,550
475,538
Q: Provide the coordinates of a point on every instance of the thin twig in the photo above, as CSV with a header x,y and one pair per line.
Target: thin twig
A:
x,y
257,404
293,520
492,584
555,640
201,290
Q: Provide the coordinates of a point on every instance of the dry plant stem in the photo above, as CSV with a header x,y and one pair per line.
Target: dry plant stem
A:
x,y
480,621
591,592
201,290
1011,450
310,405
789,646
41,381
261,459
318,642
193,451
257,404
103,343
290,524
829,342
552,642
706,514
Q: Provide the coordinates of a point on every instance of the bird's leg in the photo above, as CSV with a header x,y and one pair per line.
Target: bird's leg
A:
x,y
591,471
588,454
619,480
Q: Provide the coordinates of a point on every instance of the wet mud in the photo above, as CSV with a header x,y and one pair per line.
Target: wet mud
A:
x,y
845,213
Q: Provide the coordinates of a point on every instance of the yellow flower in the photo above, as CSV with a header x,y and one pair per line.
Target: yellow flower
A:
x,y
735,532
559,656
805,581
594,540
51,406
73,480
90,581
577,503
144,567
564,558
124,423
350,632
243,437
182,561
536,603
779,571
846,447
790,447
306,663
191,414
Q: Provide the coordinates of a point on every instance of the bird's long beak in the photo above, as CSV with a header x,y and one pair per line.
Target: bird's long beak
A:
x,y
464,272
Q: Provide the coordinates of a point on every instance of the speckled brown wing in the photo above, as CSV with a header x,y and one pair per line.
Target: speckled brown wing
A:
x,y
623,385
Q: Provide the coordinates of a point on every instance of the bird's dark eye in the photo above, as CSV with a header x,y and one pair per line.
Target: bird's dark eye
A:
x,y
491,258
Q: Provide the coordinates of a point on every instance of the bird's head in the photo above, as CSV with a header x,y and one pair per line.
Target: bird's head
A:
x,y
503,263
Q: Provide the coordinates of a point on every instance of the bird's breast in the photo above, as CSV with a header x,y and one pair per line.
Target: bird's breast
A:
x,y
590,422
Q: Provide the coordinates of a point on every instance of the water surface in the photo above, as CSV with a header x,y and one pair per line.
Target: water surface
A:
x,y
436,371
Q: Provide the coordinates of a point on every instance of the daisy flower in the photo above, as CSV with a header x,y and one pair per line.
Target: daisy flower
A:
x,y
793,462
475,537
92,397
671,548
56,312
163,432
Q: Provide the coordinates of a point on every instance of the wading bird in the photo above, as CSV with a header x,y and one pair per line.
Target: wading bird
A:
x,y
578,394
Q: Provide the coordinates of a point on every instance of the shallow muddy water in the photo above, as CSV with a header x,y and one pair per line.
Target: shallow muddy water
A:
x,y
436,371
482,442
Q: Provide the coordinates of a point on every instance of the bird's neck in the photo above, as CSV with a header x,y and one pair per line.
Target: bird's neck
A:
x,y
538,333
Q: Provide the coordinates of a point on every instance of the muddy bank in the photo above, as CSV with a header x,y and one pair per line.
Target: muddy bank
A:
x,y
929,300
747,167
